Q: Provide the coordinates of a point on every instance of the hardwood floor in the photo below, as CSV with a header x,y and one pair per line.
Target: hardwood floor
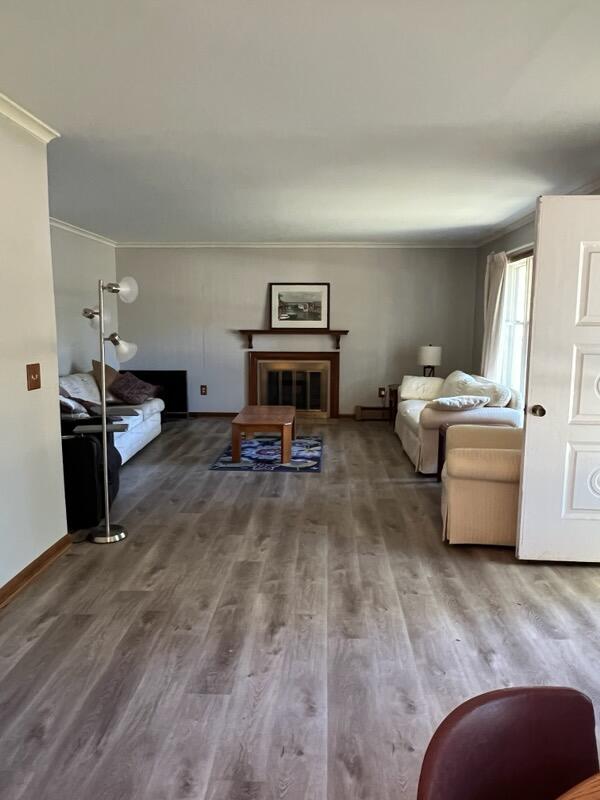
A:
x,y
271,635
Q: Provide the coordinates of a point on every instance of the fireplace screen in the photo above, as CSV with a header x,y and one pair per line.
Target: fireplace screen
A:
x,y
304,385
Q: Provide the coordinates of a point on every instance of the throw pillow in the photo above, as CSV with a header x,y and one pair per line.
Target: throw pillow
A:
x,y
500,395
111,374
416,387
132,390
460,383
463,402
451,387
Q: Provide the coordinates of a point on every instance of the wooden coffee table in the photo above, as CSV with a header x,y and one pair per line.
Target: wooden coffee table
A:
x,y
588,790
264,418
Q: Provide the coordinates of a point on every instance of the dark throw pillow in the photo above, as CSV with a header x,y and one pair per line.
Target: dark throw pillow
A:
x,y
132,390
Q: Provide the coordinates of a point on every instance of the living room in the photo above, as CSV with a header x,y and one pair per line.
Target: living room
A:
x,y
332,498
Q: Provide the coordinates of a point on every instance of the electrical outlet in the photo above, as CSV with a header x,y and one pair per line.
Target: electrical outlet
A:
x,y
381,392
34,377
203,389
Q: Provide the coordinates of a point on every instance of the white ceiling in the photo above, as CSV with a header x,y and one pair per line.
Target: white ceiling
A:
x,y
306,120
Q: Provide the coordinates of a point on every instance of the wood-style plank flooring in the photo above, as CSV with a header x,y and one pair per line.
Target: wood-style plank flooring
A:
x,y
272,635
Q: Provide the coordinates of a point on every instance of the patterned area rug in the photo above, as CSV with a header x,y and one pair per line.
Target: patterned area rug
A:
x,y
263,454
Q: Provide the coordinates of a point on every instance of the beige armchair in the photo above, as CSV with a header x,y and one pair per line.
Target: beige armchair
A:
x,y
480,484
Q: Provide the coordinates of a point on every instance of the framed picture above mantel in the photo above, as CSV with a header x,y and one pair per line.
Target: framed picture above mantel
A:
x,y
299,305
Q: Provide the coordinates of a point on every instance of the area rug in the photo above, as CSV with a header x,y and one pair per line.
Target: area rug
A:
x,y
263,454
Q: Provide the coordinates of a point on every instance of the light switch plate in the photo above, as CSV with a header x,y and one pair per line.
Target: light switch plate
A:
x,y
34,377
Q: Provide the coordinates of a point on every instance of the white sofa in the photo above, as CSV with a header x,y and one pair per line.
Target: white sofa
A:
x,y
418,426
142,427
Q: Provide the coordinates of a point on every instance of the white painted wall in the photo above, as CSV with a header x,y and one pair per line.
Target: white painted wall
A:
x,y
392,300
78,262
32,503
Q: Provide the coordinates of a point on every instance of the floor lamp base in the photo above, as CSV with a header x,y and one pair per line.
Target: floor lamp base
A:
x,y
99,536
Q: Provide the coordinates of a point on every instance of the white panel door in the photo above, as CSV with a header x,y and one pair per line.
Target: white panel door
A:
x,y
560,488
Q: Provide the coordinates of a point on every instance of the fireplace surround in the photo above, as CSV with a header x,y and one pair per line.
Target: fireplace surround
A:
x,y
290,378
303,384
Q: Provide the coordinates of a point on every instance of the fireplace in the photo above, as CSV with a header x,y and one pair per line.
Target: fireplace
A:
x,y
308,380
304,384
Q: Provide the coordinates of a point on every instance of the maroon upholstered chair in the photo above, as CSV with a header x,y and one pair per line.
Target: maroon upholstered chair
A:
x,y
524,743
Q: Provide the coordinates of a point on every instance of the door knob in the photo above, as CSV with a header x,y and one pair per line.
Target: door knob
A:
x,y
538,411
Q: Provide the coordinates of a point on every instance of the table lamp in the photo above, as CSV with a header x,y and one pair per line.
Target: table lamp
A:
x,y
429,357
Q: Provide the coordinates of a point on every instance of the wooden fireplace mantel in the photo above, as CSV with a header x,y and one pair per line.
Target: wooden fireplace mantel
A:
x,y
310,355
251,332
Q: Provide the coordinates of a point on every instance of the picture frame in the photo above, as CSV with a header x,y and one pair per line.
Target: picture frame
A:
x,y
299,305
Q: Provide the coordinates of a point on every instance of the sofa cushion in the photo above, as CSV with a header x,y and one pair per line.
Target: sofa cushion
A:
x,y
460,383
417,387
460,402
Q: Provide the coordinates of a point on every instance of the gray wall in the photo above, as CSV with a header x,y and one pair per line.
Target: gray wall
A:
x,y
392,300
514,240
78,262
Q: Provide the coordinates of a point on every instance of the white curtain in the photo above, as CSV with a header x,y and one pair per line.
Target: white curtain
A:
x,y
493,313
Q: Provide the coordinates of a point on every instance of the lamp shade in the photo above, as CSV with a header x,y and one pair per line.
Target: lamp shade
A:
x,y
125,350
429,356
128,289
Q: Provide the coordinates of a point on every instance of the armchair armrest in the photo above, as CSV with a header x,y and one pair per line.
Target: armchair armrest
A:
x,y
483,436
484,464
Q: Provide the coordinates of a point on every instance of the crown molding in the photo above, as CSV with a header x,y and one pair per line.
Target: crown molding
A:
x,y
95,237
297,245
21,117
593,187
499,232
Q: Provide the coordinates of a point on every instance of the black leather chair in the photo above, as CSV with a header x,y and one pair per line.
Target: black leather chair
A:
x,y
83,474
524,743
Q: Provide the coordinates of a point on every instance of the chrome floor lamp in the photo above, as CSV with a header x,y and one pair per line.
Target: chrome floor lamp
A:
x,y
127,290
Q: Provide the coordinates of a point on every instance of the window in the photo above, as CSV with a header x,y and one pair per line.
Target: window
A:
x,y
515,323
